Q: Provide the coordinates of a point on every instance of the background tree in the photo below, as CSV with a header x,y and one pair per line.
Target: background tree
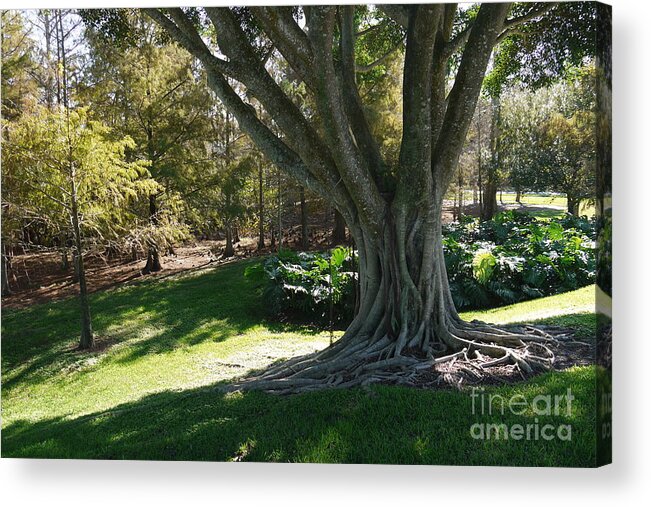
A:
x,y
152,92
548,137
534,55
76,174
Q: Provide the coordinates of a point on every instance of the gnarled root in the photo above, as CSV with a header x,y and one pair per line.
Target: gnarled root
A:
x,y
472,348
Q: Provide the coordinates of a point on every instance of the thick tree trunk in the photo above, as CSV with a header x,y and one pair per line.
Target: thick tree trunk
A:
x,y
518,196
305,240
339,230
572,204
406,315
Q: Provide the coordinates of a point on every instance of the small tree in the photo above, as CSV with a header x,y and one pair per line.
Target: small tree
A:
x,y
230,204
65,159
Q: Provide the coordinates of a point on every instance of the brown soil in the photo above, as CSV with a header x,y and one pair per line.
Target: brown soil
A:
x,y
38,277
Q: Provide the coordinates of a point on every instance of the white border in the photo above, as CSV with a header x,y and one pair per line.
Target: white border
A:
x,y
627,482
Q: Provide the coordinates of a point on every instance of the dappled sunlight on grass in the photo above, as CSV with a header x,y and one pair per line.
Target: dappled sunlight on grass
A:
x,y
153,390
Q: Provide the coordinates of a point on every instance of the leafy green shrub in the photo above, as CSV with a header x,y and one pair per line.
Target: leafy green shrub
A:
x,y
511,258
297,285
516,257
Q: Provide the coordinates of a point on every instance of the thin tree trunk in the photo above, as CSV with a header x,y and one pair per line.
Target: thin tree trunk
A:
x,y
518,196
229,251
489,204
153,258
460,185
280,213
260,208
304,233
6,289
86,339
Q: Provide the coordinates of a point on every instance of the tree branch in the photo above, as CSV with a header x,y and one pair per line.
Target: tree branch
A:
x,y
369,67
279,25
467,85
351,163
398,13
415,181
356,116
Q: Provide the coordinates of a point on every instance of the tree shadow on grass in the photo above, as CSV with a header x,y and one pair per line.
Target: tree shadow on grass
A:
x,y
388,424
214,304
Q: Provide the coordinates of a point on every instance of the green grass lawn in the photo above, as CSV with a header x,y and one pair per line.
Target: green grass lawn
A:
x,y
152,391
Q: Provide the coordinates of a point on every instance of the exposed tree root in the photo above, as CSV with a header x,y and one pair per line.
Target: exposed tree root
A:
x,y
472,352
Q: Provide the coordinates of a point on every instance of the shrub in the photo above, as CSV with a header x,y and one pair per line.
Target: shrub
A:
x,y
511,258
297,285
515,257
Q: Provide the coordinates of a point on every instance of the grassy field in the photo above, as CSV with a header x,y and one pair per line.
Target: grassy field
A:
x,y
151,391
556,204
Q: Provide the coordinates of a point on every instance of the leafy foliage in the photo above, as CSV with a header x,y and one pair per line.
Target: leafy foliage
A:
x,y
515,257
301,285
47,153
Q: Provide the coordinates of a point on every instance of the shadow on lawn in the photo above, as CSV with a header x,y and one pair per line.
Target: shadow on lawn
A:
x,y
214,305
386,425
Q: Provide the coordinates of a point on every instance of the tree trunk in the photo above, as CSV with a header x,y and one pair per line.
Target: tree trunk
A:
x,y
305,240
6,289
229,251
489,199
572,204
406,315
153,261
339,229
153,258
65,263
405,312
460,187
260,208
280,213
518,196
86,339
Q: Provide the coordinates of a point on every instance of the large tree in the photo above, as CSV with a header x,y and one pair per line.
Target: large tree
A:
x,y
392,208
